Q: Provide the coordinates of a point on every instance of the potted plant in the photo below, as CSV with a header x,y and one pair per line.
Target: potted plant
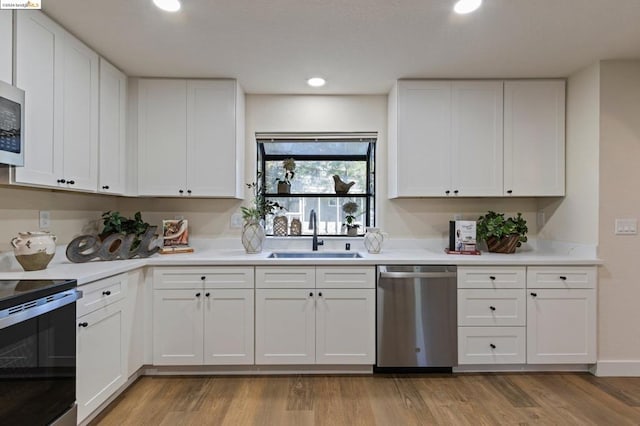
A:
x,y
114,223
253,234
502,234
284,184
350,208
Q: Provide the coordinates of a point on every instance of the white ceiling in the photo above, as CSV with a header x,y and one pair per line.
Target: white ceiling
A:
x,y
359,46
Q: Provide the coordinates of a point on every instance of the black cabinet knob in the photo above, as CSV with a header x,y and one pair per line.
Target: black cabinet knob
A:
x,y
311,294
203,278
447,192
62,181
563,278
188,191
106,293
509,191
492,345
105,186
181,191
197,294
320,294
534,294
207,294
83,324
71,182
492,278
493,308
455,192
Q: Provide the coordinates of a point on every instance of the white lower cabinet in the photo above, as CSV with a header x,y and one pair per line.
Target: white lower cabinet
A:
x,y
101,350
196,320
561,315
330,324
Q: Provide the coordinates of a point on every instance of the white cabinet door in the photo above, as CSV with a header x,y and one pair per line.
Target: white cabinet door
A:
x,y
476,126
561,326
112,140
101,357
211,136
345,326
285,326
162,130
80,115
422,144
177,327
228,326
6,46
534,138
38,47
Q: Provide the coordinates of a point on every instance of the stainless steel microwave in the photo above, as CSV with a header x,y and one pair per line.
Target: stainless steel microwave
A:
x,y
11,125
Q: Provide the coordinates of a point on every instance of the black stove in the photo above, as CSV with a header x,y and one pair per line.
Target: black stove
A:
x,y
17,292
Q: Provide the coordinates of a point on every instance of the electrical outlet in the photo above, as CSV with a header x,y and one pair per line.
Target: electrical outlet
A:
x,y
457,216
626,226
178,217
236,220
45,219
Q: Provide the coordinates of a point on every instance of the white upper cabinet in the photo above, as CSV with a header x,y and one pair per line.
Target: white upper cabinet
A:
x,y
60,77
6,46
534,137
112,141
190,138
445,138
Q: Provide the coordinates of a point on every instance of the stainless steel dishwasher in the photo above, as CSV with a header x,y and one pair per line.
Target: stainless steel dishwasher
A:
x,y
416,318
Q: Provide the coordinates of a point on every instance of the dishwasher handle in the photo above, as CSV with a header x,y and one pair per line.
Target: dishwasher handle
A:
x,y
383,273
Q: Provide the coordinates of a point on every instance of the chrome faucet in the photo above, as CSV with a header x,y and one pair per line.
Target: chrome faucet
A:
x,y
313,224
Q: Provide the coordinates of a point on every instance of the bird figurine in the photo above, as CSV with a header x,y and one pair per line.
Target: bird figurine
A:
x,y
340,186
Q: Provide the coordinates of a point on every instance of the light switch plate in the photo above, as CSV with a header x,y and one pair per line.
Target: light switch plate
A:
x,y
45,219
626,226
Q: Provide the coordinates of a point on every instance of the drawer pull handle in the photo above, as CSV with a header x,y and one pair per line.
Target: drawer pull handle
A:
x,y
534,294
197,294
492,345
310,294
492,278
493,308
207,294
106,293
83,324
563,278
203,278
320,294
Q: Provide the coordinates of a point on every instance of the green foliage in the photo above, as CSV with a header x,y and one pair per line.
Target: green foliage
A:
x,y
114,222
351,210
262,206
496,225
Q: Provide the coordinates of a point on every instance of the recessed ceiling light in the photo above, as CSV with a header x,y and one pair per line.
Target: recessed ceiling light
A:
x,y
466,6
316,82
168,5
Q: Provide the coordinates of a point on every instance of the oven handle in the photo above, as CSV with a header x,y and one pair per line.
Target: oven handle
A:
x,y
383,273
32,309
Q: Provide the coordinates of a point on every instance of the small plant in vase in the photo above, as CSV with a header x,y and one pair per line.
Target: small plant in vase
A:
x,y
284,183
350,208
253,234
502,234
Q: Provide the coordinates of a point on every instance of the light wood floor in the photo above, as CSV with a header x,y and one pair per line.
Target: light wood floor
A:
x,y
462,399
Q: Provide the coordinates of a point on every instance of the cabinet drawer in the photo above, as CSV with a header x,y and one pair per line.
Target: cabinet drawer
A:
x,y
493,277
561,277
101,293
285,277
198,278
489,307
347,277
491,345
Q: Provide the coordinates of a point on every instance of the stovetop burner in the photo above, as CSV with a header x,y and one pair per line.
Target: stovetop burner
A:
x,y
16,292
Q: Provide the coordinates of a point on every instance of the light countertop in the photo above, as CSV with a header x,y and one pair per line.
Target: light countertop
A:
x,y
227,253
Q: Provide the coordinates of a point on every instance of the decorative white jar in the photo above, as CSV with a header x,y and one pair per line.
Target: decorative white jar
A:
x,y
34,249
373,239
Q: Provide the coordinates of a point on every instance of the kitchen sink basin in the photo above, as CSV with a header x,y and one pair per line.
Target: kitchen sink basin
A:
x,y
313,255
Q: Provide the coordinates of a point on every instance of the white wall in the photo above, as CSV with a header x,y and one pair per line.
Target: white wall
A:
x,y
619,289
574,218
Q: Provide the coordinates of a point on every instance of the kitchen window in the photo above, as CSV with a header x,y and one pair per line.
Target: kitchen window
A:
x,y
318,158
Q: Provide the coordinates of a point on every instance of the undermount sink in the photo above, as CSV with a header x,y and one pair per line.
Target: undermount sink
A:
x,y
313,255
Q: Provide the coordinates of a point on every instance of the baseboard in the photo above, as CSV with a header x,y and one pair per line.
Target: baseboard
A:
x,y
617,368
257,370
523,368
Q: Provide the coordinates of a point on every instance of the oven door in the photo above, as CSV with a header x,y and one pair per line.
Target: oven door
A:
x,y
38,363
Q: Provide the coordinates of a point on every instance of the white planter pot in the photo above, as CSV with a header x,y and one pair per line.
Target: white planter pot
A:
x,y
253,236
373,239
